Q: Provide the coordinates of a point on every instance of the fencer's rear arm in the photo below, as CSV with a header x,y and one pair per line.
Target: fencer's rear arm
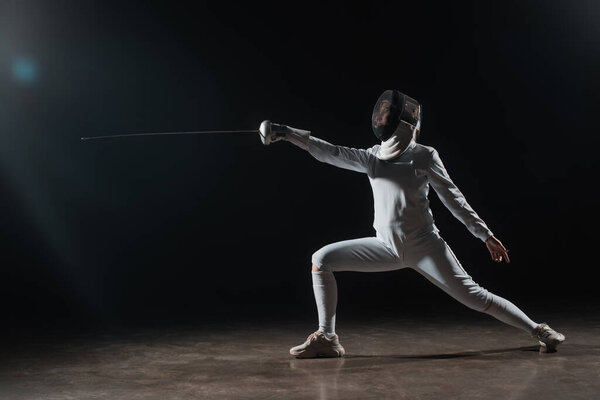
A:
x,y
453,199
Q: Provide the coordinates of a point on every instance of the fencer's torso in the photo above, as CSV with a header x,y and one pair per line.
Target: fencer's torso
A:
x,y
400,189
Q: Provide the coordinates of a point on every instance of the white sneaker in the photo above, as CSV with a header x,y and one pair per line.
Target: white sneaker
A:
x,y
549,339
318,345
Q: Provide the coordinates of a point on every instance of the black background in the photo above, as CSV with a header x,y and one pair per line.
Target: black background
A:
x,y
195,228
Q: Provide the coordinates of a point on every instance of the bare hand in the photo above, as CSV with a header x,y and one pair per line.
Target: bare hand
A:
x,y
497,249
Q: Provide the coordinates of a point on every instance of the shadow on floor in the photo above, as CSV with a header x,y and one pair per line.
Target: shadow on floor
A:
x,y
370,361
449,355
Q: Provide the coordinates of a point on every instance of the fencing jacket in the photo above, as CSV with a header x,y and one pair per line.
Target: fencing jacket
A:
x,y
400,188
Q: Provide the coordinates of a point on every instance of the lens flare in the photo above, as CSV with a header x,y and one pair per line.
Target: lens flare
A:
x,y
24,71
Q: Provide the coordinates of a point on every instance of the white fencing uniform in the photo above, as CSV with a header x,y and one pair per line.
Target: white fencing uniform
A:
x,y
406,235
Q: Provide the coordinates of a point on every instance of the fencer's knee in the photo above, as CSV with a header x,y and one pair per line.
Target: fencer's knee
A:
x,y
480,299
320,260
476,298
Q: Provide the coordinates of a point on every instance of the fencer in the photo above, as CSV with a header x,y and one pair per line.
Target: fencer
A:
x,y
400,171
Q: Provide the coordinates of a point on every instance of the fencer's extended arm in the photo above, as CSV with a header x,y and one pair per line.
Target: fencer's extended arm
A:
x,y
454,200
340,156
344,157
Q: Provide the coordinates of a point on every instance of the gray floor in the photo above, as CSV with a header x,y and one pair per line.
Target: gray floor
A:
x,y
411,358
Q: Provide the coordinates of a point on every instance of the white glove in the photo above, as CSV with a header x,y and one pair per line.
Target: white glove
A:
x,y
271,132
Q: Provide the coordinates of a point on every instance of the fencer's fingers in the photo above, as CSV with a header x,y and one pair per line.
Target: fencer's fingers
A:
x,y
506,257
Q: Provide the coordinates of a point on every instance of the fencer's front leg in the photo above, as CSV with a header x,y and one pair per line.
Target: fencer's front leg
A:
x,y
272,132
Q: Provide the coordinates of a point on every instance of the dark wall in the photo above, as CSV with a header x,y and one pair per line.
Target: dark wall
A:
x,y
208,226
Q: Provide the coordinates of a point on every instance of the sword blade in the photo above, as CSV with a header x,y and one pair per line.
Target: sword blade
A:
x,y
167,133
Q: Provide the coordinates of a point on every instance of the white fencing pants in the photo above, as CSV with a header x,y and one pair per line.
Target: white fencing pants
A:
x,y
430,256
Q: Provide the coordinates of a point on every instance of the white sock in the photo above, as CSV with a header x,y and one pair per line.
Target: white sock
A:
x,y
325,288
507,312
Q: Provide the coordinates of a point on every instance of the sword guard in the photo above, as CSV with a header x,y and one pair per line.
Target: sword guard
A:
x,y
270,132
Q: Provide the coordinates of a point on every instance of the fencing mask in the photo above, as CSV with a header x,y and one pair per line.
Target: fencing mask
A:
x,y
396,116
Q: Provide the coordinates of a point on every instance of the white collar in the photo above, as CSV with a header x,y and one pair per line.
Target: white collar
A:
x,y
390,149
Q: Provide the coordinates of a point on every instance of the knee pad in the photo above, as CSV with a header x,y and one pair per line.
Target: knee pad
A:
x,y
319,258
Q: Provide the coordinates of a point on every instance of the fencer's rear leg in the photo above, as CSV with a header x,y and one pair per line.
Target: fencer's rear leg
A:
x,y
443,269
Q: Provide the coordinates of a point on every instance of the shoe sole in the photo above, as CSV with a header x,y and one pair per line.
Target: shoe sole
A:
x,y
551,346
303,354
